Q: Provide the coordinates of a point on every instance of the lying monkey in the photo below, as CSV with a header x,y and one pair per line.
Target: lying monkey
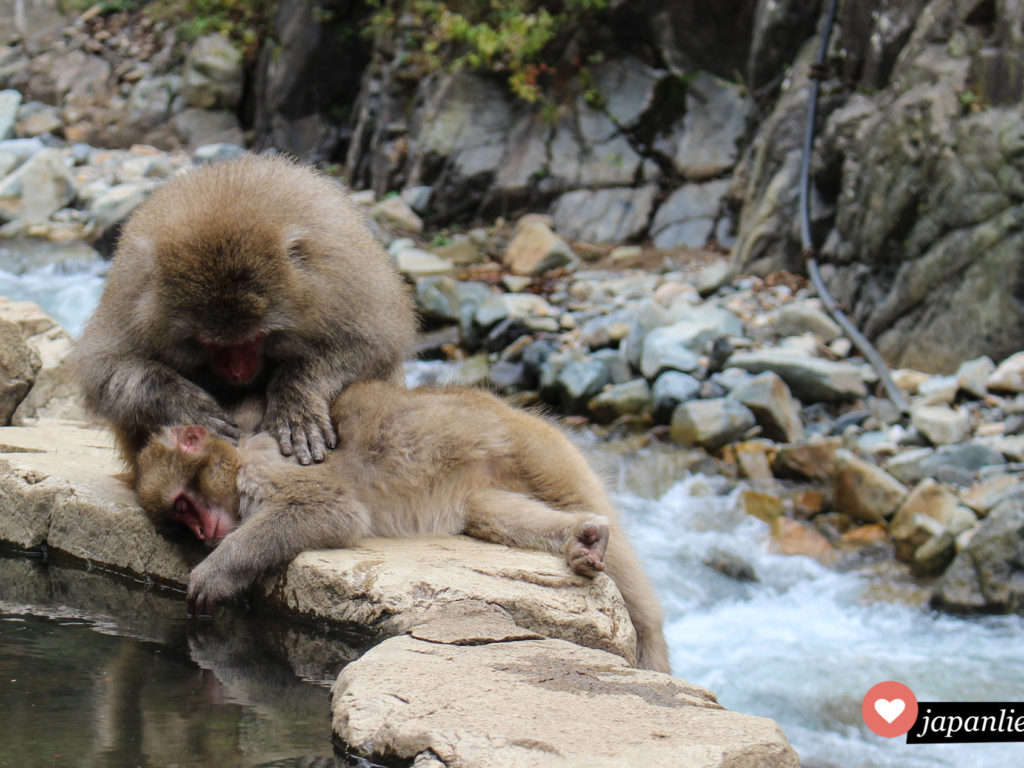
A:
x,y
409,462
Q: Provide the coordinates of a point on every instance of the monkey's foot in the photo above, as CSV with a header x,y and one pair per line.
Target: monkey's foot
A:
x,y
585,549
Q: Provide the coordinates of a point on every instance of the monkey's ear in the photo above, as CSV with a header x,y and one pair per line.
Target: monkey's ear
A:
x,y
189,439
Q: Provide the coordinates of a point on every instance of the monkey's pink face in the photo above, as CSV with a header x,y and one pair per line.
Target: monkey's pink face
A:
x,y
187,475
208,522
240,363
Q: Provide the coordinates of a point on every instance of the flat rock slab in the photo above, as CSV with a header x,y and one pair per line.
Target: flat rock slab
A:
x,y
538,703
58,487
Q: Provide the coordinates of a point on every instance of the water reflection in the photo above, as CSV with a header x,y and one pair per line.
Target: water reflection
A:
x,y
96,672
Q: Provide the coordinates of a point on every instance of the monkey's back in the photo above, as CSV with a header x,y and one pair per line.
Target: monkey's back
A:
x,y
430,447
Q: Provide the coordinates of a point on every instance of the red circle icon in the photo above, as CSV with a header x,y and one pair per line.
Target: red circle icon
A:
x,y
889,709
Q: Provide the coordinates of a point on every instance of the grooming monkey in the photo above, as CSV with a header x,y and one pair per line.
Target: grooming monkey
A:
x,y
251,276
409,462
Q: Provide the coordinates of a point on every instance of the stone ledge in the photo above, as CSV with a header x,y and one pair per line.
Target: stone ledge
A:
x,y
58,488
538,703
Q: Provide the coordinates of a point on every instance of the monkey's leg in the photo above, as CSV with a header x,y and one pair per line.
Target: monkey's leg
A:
x,y
292,521
518,520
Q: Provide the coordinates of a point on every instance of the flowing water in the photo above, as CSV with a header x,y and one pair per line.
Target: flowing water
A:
x,y
801,643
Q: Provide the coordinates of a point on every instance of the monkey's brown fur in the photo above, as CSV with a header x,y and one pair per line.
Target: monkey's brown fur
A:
x,y
256,275
410,462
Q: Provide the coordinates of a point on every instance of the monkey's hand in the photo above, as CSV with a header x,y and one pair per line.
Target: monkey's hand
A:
x,y
221,576
301,424
586,547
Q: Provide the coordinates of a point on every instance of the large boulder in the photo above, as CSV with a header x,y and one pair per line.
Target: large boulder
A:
x,y
484,698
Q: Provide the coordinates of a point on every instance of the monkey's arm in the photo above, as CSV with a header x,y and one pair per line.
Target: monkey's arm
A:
x,y
135,392
305,514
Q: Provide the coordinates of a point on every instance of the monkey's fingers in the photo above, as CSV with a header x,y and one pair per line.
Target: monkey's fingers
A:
x,y
327,429
300,444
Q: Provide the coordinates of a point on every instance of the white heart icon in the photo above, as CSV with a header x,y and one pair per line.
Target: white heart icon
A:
x,y
890,710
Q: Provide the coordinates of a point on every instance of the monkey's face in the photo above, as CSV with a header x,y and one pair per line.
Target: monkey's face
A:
x,y
188,476
228,295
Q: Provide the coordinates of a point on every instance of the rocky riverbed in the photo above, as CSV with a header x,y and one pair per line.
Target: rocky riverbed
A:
x,y
660,345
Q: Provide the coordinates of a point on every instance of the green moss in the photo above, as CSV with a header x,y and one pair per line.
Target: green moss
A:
x,y
535,45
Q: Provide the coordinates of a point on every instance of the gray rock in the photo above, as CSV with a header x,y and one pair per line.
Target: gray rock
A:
x,y
483,696
670,389
587,150
972,376
578,381
985,576
714,277
419,263
461,251
202,128
705,145
940,424
630,398
19,364
19,150
909,466
627,85
213,153
454,127
606,330
418,198
41,120
151,100
616,363
1009,375
938,390
535,249
687,218
81,80
497,306
54,390
769,399
710,424
810,379
804,317
395,211
118,202
438,300
507,376
679,346
933,557
39,188
10,100
664,351
212,77
957,464
604,215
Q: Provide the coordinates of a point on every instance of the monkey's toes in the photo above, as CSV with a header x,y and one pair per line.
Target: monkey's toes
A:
x,y
586,549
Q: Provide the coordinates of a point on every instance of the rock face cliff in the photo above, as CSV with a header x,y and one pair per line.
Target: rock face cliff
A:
x,y
917,173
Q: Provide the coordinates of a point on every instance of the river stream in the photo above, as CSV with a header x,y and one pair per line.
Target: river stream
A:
x,y
801,643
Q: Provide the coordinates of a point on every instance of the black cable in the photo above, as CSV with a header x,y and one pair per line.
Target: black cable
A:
x,y
859,340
